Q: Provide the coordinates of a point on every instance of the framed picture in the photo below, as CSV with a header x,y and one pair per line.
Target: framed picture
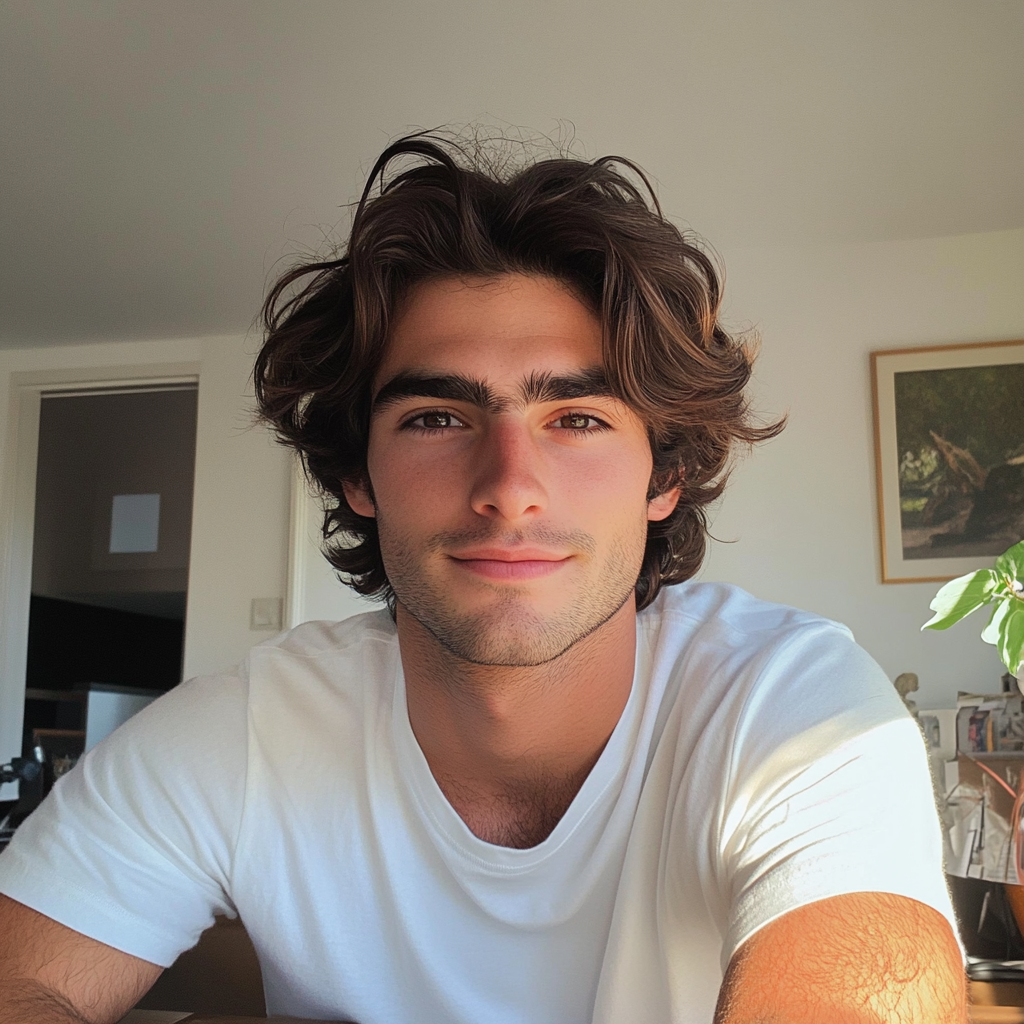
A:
x,y
949,456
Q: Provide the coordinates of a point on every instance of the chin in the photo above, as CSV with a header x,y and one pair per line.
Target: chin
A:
x,y
510,636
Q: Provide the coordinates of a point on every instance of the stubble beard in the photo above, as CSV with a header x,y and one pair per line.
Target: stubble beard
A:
x,y
509,632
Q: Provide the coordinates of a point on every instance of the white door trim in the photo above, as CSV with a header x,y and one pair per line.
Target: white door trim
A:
x,y
17,515
314,590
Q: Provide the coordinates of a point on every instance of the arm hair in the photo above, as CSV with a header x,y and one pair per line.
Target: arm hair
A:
x,y
862,958
51,974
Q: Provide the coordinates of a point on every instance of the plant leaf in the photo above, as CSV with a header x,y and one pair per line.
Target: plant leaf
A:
x,y
990,634
960,597
1011,562
1011,637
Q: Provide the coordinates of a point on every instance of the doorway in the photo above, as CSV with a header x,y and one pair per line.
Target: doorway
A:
x,y
112,522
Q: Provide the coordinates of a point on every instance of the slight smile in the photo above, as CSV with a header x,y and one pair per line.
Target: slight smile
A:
x,y
519,564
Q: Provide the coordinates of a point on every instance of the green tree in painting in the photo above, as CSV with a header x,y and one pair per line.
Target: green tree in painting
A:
x,y
978,408
975,412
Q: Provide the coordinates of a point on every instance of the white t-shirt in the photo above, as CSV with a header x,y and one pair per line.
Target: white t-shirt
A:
x,y
763,761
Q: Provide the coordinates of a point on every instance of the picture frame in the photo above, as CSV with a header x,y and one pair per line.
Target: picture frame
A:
x,y
949,457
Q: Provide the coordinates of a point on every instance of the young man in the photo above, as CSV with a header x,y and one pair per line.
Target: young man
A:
x,y
514,798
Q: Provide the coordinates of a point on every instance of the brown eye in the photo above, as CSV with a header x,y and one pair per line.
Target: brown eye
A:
x,y
575,421
436,420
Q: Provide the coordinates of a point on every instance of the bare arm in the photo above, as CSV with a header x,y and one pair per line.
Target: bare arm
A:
x,y
50,974
864,958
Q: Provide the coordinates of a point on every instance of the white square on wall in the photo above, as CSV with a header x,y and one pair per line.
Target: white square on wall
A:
x,y
134,523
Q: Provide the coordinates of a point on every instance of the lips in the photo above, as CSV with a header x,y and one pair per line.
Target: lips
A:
x,y
510,563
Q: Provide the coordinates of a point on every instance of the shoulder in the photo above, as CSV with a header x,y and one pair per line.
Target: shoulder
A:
x,y
360,639
333,663
699,611
208,716
314,691
720,626
759,669
325,639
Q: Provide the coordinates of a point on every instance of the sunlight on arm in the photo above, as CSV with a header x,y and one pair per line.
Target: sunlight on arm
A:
x,y
862,958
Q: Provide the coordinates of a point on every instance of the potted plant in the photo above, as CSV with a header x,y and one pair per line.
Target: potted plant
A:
x,y
1001,586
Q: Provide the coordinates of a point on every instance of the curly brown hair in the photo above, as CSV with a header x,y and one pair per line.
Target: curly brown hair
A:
x,y
587,224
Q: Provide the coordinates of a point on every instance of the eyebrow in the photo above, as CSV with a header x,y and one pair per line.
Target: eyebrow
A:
x,y
456,387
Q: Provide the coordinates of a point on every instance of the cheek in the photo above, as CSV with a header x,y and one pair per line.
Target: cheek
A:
x,y
398,474
612,489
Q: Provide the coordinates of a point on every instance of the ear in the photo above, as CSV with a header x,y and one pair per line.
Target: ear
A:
x,y
357,494
662,505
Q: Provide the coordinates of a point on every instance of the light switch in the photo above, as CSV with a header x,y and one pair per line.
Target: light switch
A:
x,y
266,613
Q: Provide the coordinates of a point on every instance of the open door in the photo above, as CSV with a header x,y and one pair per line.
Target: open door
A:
x,y
101,591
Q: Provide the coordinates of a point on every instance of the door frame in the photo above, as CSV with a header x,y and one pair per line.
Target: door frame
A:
x,y
17,514
313,590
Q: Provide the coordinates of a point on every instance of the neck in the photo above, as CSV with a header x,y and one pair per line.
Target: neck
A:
x,y
509,746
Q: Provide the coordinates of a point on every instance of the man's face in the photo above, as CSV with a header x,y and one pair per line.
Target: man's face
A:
x,y
508,484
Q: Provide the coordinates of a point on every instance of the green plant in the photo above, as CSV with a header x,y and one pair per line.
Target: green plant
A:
x,y
1002,586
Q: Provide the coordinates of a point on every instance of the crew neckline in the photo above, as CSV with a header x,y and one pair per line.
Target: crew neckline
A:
x,y
599,789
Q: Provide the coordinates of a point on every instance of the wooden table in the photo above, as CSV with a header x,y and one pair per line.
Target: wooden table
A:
x,y
996,1002
989,1005
996,1015
978,1015
171,1017
202,1018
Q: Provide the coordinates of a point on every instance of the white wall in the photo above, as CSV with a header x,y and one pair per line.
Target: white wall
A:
x,y
802,509
240,514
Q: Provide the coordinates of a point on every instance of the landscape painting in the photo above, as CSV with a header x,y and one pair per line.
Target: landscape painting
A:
x,y
950,451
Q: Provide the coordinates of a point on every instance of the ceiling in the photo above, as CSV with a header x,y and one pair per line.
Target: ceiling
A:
x,y
161,161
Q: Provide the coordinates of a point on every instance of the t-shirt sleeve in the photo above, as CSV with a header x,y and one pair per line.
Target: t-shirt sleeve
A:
x,y
829,792
134,847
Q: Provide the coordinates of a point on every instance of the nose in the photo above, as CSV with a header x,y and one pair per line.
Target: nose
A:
x,y
508,481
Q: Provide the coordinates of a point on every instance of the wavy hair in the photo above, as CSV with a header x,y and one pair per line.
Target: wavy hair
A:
x,y
454,211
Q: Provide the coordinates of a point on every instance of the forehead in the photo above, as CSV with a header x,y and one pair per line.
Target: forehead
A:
x,y
493,329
